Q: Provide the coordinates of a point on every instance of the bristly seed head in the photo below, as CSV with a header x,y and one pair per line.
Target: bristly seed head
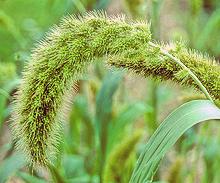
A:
x,y
66,51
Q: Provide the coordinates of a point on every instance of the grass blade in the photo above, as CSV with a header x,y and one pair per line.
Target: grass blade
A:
x,y
104,112
169,132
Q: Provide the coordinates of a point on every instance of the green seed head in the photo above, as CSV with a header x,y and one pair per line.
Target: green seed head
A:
x,y
55,64
67,50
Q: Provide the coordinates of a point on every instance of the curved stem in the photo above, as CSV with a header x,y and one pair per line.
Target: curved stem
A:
x,y
181,64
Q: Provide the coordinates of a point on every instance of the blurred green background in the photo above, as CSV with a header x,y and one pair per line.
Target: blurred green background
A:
x,y
113,113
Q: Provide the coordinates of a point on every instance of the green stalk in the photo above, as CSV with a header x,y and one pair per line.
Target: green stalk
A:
x,y
181,64
155,16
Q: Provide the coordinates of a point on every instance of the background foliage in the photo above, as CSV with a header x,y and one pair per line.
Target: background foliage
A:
x,y
113,114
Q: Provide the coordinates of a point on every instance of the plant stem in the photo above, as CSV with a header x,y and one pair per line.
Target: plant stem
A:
x,y
153,87
181,64
152,100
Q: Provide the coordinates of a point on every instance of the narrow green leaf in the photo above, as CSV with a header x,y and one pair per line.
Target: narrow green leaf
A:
x,y
104,113
73,166
104,99
169,132
210,26
5,110
127,116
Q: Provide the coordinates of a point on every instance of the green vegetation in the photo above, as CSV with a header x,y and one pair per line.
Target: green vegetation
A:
x,y
64,119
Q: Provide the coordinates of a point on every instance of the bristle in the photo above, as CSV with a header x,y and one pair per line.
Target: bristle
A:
x,y
56,62
64,54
